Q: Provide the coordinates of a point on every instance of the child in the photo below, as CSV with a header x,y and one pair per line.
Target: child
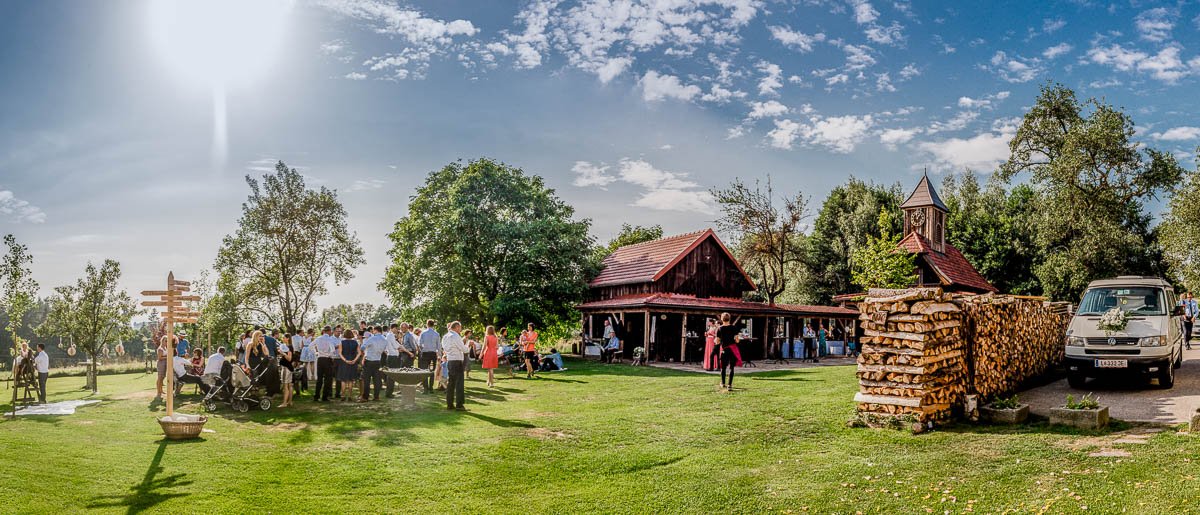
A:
x,y
472,352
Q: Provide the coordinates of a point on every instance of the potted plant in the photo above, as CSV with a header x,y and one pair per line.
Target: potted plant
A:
x,y
1005,410
1084,413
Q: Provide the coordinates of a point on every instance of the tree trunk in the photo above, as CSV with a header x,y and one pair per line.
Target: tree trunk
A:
x,y
95,376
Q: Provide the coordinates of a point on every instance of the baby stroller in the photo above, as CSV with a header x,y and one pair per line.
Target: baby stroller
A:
x,y
639,356
238,389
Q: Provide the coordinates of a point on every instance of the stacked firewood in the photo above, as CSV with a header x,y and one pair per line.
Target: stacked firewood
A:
x,y
1010,339
912,362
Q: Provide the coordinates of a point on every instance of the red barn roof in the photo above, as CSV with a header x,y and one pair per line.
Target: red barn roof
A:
x,y
649,261
924,195
680,301
952,268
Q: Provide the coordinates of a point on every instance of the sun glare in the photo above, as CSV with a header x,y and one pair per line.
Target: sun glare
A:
x,y
218,42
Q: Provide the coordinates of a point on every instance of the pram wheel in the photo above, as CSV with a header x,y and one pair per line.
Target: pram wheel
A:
x,y
210,406
241,406
264,404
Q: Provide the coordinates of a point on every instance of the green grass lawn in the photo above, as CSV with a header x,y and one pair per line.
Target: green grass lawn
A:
x,y
597,438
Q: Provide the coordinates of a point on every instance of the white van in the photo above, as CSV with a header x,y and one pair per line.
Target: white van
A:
x,y
1150,346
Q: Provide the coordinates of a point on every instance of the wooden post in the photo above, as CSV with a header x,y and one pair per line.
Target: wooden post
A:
x,y
172,300
646,338
683,340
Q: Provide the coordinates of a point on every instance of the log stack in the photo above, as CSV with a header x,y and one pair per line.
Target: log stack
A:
x,y
912,362
1010,339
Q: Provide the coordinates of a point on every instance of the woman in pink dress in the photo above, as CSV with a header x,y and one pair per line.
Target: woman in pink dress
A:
x,y
711,356
491,350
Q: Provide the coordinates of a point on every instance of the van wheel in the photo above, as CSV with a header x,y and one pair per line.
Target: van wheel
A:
x,y
1166,378
1076,380
1179,360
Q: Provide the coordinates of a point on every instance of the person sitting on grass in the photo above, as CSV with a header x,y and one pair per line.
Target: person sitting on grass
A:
x,y
552,362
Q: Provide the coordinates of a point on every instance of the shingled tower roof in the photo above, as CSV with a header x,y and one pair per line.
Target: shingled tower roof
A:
x,y
924,195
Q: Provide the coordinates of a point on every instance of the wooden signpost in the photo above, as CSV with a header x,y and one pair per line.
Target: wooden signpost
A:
x,y
172,299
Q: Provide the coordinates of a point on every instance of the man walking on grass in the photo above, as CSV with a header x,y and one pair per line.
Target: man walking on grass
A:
x,y
373,348
431,347
326,349
455,352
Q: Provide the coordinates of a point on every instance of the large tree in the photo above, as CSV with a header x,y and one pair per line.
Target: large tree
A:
x,y
349,315
290,241
484,242
18,290
220,307
629,235
1179,233
848,217
995,229
93,312
1094,179
766,230
879,264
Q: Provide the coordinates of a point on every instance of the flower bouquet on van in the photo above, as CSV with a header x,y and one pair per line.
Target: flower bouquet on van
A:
x,y
1113,321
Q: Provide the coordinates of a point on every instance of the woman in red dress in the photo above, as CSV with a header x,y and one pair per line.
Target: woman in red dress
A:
x,y
711,356
491,352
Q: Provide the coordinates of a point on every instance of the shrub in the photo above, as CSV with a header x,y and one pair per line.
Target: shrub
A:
x,y
1013,402
1085,402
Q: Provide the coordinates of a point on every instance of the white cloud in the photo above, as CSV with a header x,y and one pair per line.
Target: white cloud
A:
x,y
533,41
959,122
17,210
656,87
768,109
1155,24
666,147
863,12
355,76
1165,66
365,185
890,35
982,152
891,138
422,36
909,71
840,134
981,103
735,132
772,79
858,57
1050,25
1108,83
587,174
720,95
784,134
614,67
1056,50
836,79
883,82
1014,68
665,191
1178,134
795,39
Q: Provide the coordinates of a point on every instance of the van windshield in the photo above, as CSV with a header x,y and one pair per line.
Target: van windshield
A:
x,y
1132,300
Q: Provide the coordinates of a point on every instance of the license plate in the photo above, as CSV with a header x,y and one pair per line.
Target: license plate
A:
x,y
1112,363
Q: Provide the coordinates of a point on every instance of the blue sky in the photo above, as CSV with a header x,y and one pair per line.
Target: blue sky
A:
x,y
109,130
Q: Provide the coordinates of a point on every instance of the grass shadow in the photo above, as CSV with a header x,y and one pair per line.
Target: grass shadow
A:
x,y
153,490
1040,425
499,421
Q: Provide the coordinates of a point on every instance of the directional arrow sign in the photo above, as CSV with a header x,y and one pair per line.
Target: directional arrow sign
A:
x,y
149,303
181,283
180,320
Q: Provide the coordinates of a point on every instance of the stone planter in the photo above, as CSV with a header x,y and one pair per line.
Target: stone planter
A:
x,y
1016,415
1081,418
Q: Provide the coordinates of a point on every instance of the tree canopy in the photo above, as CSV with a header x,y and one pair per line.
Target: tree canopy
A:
x,y
879,264
1179,233
1094,180
995,230
18,290
484,242
290,241
766,230
847,219
93,312
629,235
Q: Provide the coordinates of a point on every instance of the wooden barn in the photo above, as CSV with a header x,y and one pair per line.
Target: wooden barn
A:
x,y
662,294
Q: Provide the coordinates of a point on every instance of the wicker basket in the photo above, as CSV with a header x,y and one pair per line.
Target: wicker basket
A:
x,y
182,430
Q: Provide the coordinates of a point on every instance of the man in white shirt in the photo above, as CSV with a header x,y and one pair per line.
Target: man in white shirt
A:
x,y
455,352
430,343
391,355
373,348
42,361
326,348
212,369
182,374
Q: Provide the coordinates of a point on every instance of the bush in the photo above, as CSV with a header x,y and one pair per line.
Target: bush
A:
x,y
1013,402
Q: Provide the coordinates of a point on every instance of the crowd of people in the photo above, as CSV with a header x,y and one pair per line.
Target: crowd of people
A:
x,y
339,360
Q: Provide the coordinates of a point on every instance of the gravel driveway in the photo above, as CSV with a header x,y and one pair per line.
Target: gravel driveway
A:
x,y
1134,401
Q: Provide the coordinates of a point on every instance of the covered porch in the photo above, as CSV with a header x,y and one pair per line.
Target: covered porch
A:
x,y
671,327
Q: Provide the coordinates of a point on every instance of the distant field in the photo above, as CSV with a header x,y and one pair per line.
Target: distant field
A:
x,y
593,439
